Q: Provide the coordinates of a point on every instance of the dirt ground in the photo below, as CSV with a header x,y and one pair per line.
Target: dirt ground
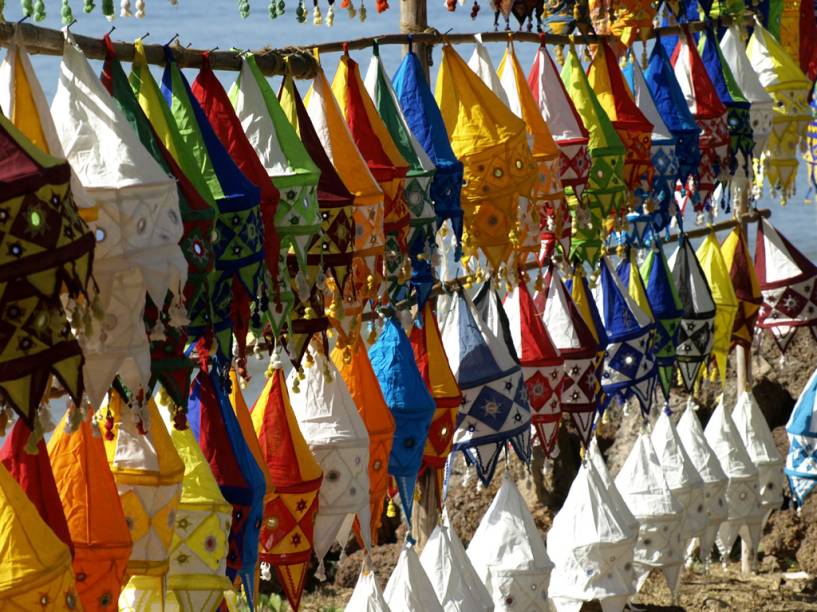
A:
x,y
785,578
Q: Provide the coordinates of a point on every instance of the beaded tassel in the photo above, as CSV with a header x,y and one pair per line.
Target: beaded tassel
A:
x,y
244,8
66,13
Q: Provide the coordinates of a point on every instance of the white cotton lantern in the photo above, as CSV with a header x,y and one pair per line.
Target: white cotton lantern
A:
x,y
409,587
367,596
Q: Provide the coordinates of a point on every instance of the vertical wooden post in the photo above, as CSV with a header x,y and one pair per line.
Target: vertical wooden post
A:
x,y
414,19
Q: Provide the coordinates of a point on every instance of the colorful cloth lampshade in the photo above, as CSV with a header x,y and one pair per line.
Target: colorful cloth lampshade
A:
x,y
738,260
801,460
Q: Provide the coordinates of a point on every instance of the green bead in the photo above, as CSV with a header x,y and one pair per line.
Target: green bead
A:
x,y
107,8
88,6
67,13
39,10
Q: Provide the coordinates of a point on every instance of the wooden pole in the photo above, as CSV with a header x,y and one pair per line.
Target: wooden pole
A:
x,y
414,21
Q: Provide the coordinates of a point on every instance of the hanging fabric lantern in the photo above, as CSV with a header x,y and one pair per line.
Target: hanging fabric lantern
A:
x,y
591,543
386,164
801,460
629,359
432,361
481,64
616,500
671,102
369,239
287,534
367,595
418,181
356,370
548,219
756,436
632,127
337,437
168,363
99,533
682,478
580,350
295,175
425,121
714,479
738,261
744,509
710,115
137,230
236,471
606,190
239,250
35,571
789,88
410,402
666,309
198,552
657,204
33,473
723,294
330,257
649,499
788,284
633,20
760,111
491,142
494,408
451,573
542,365
408,587
509,554
696,332
148,474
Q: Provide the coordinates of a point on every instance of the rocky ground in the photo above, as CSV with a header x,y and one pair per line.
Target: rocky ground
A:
x,y
786,574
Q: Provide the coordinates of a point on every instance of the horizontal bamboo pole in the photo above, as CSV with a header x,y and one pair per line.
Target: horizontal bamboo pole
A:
x,y
299,61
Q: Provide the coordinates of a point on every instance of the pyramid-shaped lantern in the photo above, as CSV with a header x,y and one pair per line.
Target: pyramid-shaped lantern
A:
x,y
434,367
801,460
337,437
783,80
629,362
714,478
579,348
788,284
35,571
667,311
199,549
681,476
239,477
738,260
385,162
591,543
137,229
239,249
99,532
36,191
409,588
331,252
410,402
549,219
492,144
509,553
710,115
458,585
756,436
425,121
482,65
494,408
419,178
696,331
367,595
288,164
761,113
723,294
287,534
369,238
356,370
542,364
616,500
663,155
632,127
606,190
168,363
648,496
744,510
148,474
34,474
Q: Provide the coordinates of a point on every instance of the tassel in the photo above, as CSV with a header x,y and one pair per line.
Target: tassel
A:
x,y
124,9
46,422
34,438
28,8
391,509
320,573
140,9
244,8
109,426
362,12
39,10
317,19
66,13
330,16
273,13
300,12
88,6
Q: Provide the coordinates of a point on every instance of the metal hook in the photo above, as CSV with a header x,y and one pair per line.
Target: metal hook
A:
x,y
213,49
145,36
24,19
73,21
175,37
113,27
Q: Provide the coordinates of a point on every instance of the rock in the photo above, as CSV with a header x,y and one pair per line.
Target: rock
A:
x,y
807,553
784,535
